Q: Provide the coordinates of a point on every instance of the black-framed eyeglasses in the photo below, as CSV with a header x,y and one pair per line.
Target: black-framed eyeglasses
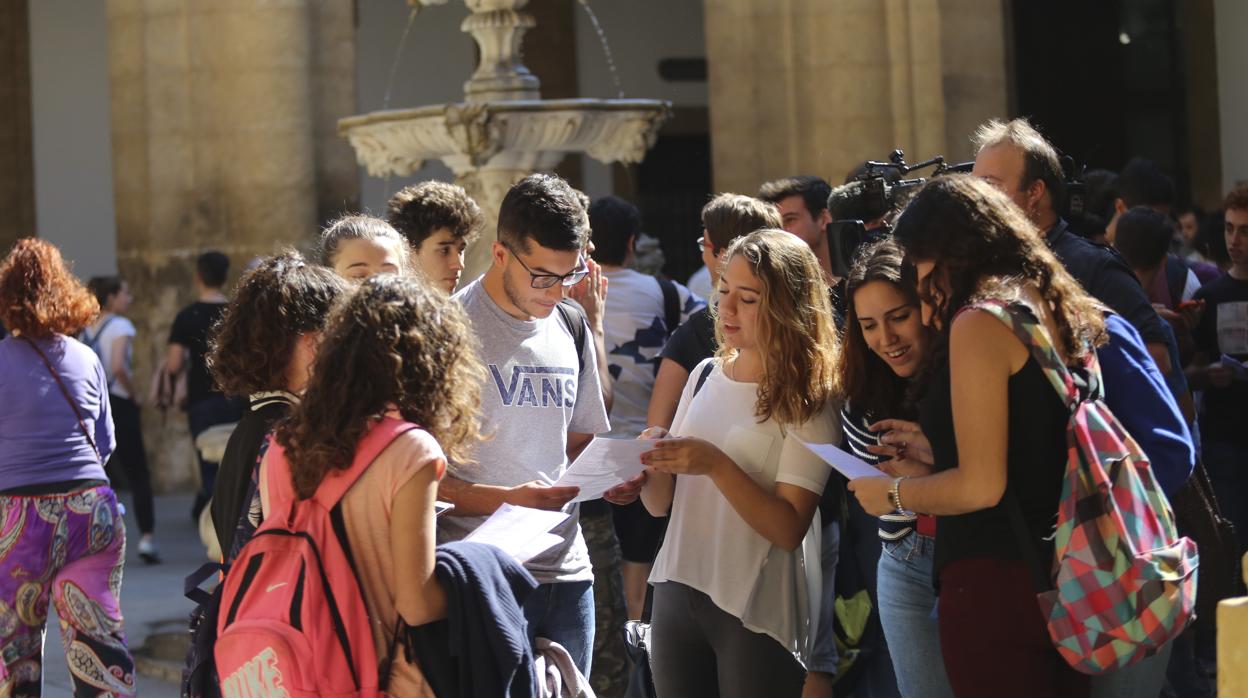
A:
x,y
537,280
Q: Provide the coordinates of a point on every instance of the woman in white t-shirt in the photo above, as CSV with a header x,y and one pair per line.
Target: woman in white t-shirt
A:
x,y
734,598
112,338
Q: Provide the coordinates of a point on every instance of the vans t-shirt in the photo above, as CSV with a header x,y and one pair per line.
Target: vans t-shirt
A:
x,y
536,390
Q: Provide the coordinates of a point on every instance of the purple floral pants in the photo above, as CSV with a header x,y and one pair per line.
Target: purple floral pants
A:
x,y
69,548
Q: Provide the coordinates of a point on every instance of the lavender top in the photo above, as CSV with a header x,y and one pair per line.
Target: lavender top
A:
x,y
40,440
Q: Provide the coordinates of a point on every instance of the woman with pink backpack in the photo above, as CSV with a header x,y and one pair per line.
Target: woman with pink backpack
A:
x,y
348,491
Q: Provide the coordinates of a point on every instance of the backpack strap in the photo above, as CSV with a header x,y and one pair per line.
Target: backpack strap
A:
x,y
1035,336
671,304
336,483
1176,279
574,319
703,374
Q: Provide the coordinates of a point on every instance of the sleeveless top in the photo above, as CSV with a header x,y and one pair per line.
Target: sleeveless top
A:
x,y
1035,463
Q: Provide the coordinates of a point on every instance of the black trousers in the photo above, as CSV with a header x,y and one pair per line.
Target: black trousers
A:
x,y
132,457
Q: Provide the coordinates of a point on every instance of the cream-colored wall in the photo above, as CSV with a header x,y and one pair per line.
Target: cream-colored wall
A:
x,y
220,113
70,123
817,86
1231,22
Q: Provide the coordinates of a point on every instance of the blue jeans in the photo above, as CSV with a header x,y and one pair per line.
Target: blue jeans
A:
x,y
908,614
823,653
563,612
1144,679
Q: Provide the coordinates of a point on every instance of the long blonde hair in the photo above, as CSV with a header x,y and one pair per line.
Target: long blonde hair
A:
x,y
796,335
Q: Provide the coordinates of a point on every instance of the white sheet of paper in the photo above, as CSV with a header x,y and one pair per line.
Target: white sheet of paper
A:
x,y
604,464
520,532
846,464
1241,371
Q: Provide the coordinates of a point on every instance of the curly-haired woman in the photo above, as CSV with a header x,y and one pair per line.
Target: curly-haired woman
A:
x,y
395,349
738,569
62,532
997,430
262,350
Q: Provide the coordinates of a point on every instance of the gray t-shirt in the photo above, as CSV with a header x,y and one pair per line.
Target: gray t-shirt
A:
x,y
535,392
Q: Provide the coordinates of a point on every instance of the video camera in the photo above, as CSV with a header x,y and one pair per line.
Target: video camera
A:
x,y
859,207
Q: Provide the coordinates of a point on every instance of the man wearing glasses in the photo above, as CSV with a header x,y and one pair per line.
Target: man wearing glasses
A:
x,y
540,401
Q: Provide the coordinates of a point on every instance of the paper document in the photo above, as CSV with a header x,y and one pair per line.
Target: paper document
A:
x,y
604,464
846,464
521,532
1241,371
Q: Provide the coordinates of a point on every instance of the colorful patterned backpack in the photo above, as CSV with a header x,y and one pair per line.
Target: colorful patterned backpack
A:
x,y
1122,583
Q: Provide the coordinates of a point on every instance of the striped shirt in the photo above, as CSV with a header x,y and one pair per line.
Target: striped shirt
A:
x,y
893,527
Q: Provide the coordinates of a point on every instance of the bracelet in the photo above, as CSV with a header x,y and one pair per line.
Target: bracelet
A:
x,y
894,495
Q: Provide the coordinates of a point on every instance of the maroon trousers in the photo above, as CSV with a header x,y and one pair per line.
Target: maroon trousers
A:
x,y
993,637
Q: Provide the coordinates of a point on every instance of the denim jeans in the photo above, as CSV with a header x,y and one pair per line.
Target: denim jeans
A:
x,y
1144,679
908,613
823,653
563,612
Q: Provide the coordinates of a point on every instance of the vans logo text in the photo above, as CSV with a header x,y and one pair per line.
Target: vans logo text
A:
x,y
536,386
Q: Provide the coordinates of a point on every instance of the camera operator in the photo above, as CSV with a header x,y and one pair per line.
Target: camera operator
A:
x,y
1016,159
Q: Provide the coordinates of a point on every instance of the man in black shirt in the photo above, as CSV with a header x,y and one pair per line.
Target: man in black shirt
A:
x,y
188,345
1016,159
1218,369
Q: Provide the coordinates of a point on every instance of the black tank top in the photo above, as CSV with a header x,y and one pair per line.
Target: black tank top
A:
x,y
1036,461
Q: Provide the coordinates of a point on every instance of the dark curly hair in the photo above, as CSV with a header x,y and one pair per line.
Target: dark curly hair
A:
x,y
393,343
39,297
867,383
280,299
985,247
421,209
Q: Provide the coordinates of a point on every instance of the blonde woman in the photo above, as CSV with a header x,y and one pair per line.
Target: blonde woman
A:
x,y
733,592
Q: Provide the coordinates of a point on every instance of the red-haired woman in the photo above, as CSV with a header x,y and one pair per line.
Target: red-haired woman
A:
x,y
61,532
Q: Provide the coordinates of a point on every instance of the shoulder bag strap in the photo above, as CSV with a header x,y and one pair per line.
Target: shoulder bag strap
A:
x,y
671,304
574,320
82,423
1035,336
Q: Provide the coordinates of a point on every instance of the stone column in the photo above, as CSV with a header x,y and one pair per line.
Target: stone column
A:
x,y
1233,643
216,128
818,86
17,176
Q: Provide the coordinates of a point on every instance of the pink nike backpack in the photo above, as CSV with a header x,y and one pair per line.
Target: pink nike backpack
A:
x,y
293,620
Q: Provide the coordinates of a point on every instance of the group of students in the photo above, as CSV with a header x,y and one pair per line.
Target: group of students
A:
x,y
913,361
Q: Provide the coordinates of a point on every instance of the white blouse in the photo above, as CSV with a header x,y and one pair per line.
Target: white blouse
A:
x,y
709,547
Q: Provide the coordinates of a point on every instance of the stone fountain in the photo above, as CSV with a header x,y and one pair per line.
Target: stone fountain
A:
x,y
502,130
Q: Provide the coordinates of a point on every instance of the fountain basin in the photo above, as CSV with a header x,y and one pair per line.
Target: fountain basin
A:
x,y
509,135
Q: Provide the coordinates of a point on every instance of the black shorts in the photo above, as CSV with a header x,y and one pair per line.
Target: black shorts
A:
x,y
640,533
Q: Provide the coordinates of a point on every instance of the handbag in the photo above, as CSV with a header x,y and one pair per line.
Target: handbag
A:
x,y
637,647
82,423
1197,515
637,632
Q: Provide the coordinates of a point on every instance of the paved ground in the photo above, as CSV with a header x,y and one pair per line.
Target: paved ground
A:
x,y
151,595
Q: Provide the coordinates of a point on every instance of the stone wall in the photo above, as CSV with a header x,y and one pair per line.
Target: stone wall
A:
x,y
17,177
223,117
818,86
